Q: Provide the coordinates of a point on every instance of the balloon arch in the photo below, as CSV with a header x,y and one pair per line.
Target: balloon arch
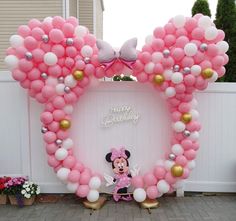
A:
x,y
56,59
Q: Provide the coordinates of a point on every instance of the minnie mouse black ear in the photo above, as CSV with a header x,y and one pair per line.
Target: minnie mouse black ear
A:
x,y
108,158
127,153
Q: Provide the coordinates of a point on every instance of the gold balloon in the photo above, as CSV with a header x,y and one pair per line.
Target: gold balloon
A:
x,y
186,118
95,205
207,73
149,204
158,79
78,75
65,124
177,170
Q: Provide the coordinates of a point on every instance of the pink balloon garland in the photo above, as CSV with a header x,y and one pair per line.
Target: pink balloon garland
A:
x,y
56,59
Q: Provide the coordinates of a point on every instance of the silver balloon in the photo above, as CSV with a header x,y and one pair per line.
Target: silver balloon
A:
x,y
203,47
166,53
58,141
187,70
69,41
44,130
172,156
86,60
45,38
186,133
60,79
67,89
28,55
176,68
44,75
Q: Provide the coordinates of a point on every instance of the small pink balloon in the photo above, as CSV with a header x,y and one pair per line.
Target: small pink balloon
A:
x,y
58,115
145,57
18,75
181,41
82,191
38,55
212,50
46,117
56,36
62,134
46,26
159,172
181,160
58,50
158,44
169,178
84,178
169,28
54,126
37,33
49,107
71,51
51,148
181,32
90,70
175,116
199,57
159,32
24,30
190,154
37,85
186,173
180,88
68,30
205,64
187,62
198,33
45,47
25,65
186,144
74,176
190,24
58,22
221,71
79,166
167,62
55,70
177,54
19,51
169,40
152,192
69,62
78,91
193,125
52,161
30,43
158,68
189,80
69,162
220,36
150,179
195,145
34,74
49,137
78,43
90,40
217,62
33,23
184,107
147,48
70,98
58,102
39,97
137,182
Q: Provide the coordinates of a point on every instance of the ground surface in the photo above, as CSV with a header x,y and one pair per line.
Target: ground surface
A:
x,y
196,208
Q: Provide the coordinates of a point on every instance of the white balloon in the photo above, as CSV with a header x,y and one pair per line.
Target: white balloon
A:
x,y
51,81
190,49
167,74
204,22
63,173
170,92
67,143
156,57
149,39
194,136
179,126
86,51
68,109
177,77
168,164
222,46
211,33
196,70
179,21
16,41
72,187
50,58
139,195
163,186
60,89
95,183
81,31
11,61
148,68
70,81
214,77
61,154
195,114
93,196
191,164
177,149
48,19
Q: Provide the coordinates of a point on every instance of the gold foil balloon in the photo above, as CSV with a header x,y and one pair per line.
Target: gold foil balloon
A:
x,y
149,204
207,73
78,75
95,205
186,118
177,170
65,124
158,79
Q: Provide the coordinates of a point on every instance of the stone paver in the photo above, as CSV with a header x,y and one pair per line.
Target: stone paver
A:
x,y
207,208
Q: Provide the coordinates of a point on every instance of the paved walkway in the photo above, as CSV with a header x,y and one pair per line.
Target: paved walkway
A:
x,y
209,208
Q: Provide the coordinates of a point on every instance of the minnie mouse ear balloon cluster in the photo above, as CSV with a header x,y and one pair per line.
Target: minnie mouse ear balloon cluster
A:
x,y
56,59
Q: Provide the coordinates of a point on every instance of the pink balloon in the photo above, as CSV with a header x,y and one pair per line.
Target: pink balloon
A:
x,y
217,62
74,176
205,64
175,116
79,166
189,80
52,161
187,62
184,107
145,57
69,162
142,77
221,71
24,31
54,126
49,107
158,44
33,23
47,27
181,160
34,74
58,115
49,137
177,54
18,75
152,192
37,33
68,30
150,179
80,65
212,50
39,97
58,102
84,178
198,33
37,85
169,40
195,146
19,51
45,47
51,148
181,32
186,144
181,41
159,32
70,98
190,154
30,43
90,40
180,88
169,28
46,117
82,191
56,36
193,125
62,134
73,21
137,182
89,69
78,43
78,91
55,70
69,62
158,68
167,62
25,65
58,50
220,36
190,24
48,91
43,67
169,178
38,55
71,51
159,172
186,173
58,22
199,57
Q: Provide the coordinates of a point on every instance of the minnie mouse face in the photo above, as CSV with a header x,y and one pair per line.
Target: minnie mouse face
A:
x,y
120,164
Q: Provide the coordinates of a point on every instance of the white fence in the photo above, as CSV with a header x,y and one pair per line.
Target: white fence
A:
x,y
23,153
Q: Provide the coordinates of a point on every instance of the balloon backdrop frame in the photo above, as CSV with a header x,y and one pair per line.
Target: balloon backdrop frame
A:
x,y
56,59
